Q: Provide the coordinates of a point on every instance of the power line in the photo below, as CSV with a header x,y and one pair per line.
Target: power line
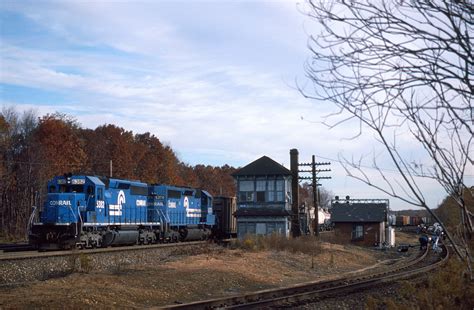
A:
x,y
376,168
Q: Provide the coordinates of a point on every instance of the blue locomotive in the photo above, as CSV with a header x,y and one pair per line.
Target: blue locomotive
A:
x,y
88,211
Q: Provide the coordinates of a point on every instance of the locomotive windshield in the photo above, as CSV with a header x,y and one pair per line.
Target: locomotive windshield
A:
x,y
67,189
71,188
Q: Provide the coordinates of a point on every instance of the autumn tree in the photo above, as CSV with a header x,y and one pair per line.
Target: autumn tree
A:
x,y
156,163
33,150
57,145
401,67
217,180
110,143
170,168
146,154
186,173
226,180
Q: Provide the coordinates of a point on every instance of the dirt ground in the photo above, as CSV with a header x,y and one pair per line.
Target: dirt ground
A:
x,y
183,279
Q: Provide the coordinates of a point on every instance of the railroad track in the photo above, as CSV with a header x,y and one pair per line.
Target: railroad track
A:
x,y
15,247
18,253
314,291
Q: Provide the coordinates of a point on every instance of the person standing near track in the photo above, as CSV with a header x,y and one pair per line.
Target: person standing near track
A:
x,y
423,241
437,230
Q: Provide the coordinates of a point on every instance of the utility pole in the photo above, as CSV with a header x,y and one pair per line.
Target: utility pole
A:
x,y
295,219
314,183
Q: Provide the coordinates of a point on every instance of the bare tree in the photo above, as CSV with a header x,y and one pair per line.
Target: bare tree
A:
x,y
306,196
17,184
401,67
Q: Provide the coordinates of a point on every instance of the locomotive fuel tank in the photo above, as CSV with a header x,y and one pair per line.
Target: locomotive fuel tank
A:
x,y
121,237
194,234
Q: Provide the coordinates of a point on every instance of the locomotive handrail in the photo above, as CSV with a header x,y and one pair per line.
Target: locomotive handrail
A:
x,y
80,217
75,217
33,213
165,216
166,220
31,219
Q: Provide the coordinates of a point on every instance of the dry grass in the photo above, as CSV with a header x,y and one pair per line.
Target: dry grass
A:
x,y
215,273
276,242
447,288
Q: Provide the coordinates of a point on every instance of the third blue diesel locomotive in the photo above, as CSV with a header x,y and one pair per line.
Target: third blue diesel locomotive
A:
x,y
89,211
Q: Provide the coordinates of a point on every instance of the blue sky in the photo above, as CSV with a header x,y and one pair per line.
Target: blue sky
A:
x,y
214,79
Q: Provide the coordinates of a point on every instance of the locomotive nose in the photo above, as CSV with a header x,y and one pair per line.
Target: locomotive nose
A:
x,y
62,208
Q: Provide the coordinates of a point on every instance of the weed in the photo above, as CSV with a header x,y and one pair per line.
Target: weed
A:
x,y
249,244
332,263
85,263
80,262
119,265
276,242
447,288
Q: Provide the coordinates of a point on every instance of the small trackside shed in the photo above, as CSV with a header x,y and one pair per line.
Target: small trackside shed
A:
x,y
263,198
360,222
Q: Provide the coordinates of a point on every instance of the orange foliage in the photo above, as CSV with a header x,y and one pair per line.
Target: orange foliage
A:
x,y
57,145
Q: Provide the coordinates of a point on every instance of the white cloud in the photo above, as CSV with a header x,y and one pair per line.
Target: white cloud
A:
x,y
184,78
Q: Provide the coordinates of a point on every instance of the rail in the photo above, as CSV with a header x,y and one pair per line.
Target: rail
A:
x,y
316,289
35,254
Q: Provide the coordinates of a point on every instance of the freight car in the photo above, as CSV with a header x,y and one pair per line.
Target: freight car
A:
x,y
226,223
88,211
405,220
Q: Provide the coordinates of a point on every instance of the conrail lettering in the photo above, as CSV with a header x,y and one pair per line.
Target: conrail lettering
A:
x,y
141,203
60,203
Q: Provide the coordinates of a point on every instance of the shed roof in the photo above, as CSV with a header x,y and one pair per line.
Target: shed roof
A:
x,y
359,212
262,166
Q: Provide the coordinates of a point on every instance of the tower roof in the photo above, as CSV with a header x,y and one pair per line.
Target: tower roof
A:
x,y
261,167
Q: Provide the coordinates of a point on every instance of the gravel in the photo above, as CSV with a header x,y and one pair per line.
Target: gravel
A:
x,y
20,271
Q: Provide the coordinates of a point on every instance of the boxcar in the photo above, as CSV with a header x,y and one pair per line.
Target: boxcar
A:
x,y
226,223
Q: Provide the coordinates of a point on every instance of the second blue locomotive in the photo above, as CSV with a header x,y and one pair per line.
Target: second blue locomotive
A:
x,y
88,211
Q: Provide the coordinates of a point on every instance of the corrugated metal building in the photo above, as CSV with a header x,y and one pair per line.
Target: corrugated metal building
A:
x,y
360,222
263,198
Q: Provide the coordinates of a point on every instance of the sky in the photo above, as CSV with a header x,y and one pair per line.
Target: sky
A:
x,y
215,80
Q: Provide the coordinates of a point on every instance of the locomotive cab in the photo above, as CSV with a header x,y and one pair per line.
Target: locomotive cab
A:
x,y
70,201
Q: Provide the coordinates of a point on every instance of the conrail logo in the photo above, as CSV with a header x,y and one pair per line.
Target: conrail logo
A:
x,y
117,209
60,203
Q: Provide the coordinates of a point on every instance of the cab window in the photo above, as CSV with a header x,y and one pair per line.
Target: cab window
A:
x,y
76,189
100,194
90,190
